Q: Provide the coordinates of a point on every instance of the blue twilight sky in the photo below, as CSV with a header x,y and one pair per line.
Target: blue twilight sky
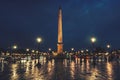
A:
x,y
21,21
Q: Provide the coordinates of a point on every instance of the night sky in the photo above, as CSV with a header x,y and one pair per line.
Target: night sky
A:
x,y
21,21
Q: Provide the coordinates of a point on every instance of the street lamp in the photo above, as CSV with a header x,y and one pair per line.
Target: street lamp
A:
x,y
14,48
27,53
49,49
108,52
27,49
108,46
82,51
87,50
39,40
72,49
33,51
93,40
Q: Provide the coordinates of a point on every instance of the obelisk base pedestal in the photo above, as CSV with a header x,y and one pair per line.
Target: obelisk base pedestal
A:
x,y
60,57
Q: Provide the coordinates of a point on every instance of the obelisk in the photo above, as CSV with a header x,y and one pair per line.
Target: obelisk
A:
x,y
60,35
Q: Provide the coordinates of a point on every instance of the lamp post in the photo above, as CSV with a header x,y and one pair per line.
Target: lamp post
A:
x,y
33,51
107,52
82,51
14,47
32,54
39,40
27,50
93,40
87,50
72,50
108,47
49,49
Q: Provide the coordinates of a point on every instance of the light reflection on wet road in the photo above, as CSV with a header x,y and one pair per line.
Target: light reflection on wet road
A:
x,y
60,70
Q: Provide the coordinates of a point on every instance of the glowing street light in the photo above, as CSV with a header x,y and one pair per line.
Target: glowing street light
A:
x,y
82,51
37,52
27,53
14,46
39,39
72,49
27,49
93,39
108,46
33,51
49,49
87,50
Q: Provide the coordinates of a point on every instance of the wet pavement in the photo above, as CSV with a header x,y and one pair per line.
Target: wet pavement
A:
x,y
60,70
